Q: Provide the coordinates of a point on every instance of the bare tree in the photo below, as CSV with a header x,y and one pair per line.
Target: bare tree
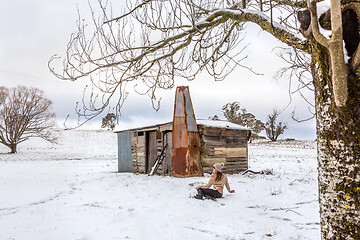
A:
x,y
151,42
24,113
273,128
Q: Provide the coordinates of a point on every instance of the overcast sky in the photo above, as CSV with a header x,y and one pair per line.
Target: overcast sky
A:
x,y
33,31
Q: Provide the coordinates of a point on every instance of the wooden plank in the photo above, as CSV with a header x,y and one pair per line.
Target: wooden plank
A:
x,y
207,169
138,154
224,143
212,161
234,168
236,138
234,164
209,138
238,168
228,169
224,135
209,131
138,168
235,171
138,139
219,153
167,159
206,138
236,159
236,141
234,132
152,150
137,157
212,142
207,151
214,156
224,132
235,145
138,146
231,152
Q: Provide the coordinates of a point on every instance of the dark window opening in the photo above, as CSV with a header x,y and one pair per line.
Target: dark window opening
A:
x,y
140,133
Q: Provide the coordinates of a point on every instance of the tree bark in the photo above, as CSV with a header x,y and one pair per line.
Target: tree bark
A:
x,y
338,136
13,148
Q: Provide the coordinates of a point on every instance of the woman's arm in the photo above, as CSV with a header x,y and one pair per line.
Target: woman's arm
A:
x,y
208,185
227,185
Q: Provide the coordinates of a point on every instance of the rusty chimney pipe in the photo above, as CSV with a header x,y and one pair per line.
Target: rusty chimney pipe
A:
x,y
185,158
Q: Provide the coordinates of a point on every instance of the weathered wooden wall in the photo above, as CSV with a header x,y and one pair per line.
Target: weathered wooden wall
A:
x,y
165,167
147,147
157,142
138,150
151,150
218,145
228,146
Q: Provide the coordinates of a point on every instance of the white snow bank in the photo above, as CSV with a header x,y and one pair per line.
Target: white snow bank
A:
x,y
57,197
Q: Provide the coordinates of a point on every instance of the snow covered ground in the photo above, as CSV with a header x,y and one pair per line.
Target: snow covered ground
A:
x,y
72,191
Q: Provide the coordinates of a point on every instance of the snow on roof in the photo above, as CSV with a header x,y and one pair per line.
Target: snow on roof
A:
x,y
204,122
220,124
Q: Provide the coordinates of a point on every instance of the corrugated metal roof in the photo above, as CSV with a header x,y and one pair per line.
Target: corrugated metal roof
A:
x,y
145,128
202,122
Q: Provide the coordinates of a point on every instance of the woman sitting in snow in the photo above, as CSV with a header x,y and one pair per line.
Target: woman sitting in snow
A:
x,y
218,180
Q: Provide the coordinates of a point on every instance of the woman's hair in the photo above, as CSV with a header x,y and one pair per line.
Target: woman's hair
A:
x,y
218,176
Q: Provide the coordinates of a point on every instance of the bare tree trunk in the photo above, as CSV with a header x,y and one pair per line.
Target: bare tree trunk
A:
x,y
13,148
338,136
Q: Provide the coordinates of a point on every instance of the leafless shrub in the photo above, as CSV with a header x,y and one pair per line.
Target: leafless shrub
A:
x,y
273,128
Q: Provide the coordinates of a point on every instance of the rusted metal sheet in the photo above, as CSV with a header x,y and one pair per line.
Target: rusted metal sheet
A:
x,y
185,159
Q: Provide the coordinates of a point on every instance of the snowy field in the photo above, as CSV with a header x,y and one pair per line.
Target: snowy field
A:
x,y
72,191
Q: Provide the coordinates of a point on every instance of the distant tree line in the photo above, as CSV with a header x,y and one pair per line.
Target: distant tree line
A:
x,y
235,113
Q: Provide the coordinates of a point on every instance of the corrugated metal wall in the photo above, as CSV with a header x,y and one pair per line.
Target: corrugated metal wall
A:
x,y
125,163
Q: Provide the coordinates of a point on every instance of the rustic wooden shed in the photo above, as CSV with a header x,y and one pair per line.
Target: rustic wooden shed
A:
x,y
147,149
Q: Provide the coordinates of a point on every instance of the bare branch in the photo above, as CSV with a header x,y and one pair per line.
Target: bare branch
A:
x,y
173,38
128,13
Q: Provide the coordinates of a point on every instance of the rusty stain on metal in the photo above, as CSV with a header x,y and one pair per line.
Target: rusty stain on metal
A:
x,y
185,158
